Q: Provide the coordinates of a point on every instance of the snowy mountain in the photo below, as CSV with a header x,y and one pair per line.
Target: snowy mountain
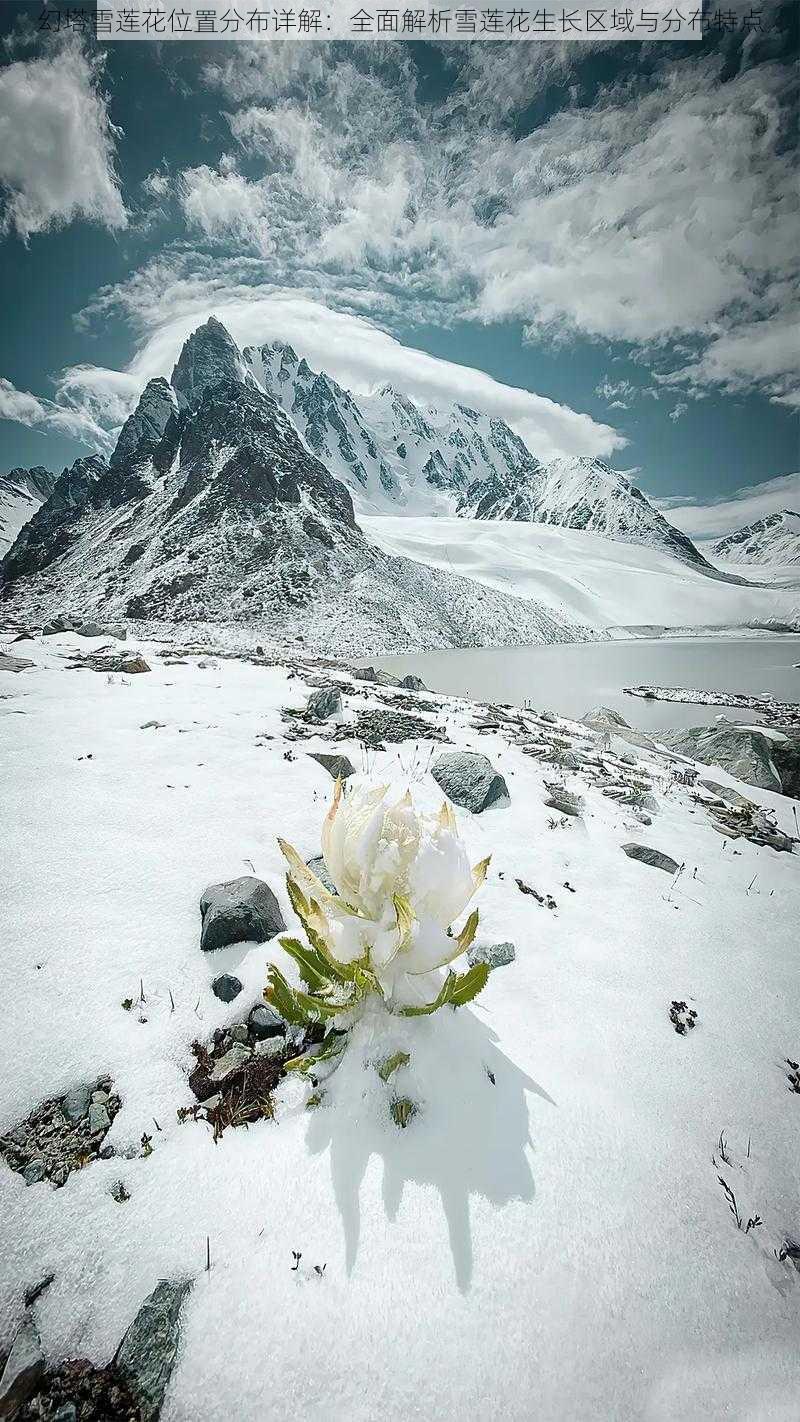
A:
x,y
400,457
580,493
774,539
213,509
22,492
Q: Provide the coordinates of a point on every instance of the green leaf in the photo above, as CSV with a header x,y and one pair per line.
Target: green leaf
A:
x,y
314,967
457,989
315,924
468,985
333,1046
284,999
426,1008
386,1068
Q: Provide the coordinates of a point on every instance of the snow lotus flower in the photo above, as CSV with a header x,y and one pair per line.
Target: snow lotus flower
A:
x,y
402,877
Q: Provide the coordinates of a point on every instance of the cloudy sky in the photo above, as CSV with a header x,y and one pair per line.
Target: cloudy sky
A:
x,y
599,243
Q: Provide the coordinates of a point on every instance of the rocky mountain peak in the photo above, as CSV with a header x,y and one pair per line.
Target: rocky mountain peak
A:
x,y
209,357
143,430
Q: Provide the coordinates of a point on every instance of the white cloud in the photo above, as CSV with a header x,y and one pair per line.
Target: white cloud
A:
x,y
663,210
67,418
351,348
57,145
722,516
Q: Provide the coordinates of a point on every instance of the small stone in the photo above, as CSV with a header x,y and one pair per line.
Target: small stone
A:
x,y
653,857
106,1151
99,1119
240,1034
226,987
75,1104
23,1370
270,1047
496,955
33,1173
337,766
233,1061
59,1176
212,1102
101,1096
119,1192
324,703
66,1413
265,1022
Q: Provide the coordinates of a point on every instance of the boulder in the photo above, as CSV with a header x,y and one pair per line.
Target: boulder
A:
x,y
23,1370
239,911
226,987
146,1355
725,792
743,751
14,664
497,955
654,857
336,765
83,626
603,718
324,703
412,683
469,779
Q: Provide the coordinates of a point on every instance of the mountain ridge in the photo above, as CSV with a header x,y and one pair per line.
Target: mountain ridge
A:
x,y
212,508
772,539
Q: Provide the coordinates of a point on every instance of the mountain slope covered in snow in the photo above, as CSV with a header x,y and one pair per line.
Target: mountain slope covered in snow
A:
x,y
400,457
772,539
212,509
22,492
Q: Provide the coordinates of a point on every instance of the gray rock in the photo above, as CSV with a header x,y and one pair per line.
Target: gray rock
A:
x,y
469,779
99,1119
270,1047
381,726
83,626
146,1355
412,683
743,751
497,955
240,1034
66,1413
240,911
101,1096
232,1062
320,868
603,717
265,1022
14,664
75,1104
34,1172
564,800
338,766
654,857
325,702
226,987
24,1369
725,792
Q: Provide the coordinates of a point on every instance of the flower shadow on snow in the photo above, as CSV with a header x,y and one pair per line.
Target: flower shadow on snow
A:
x,y
470,1135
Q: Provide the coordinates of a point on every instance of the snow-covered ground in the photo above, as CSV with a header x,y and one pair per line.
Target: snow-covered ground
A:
x,y
554,1245
587,576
